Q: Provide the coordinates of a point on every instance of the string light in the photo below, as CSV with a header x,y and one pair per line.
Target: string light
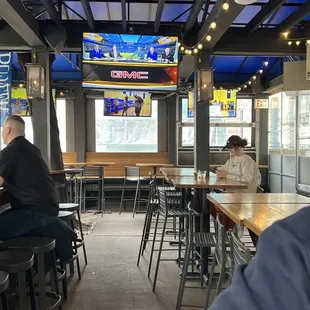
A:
x,y
289,43
195,50
213,25
199,46
182,48
225,6
297,43
239,88
179,44
208,38
250,82
245,86
308,42
186,51
190,52
254,77
261,71
266,63
285,34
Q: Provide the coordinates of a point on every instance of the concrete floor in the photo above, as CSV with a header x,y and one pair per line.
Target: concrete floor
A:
x,y
112,280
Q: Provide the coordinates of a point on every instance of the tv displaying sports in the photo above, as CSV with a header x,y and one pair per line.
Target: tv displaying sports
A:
x,y
130,61
20,104
127,104
223,105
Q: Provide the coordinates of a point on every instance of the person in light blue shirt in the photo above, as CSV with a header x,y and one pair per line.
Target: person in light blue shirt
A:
x,y
278,277
139,52
152,55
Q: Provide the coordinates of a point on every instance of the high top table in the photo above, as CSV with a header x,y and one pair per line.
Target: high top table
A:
x,y
184,179
154,166
79,164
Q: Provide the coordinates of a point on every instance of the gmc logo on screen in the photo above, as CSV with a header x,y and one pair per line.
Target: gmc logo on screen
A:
x,y
134,75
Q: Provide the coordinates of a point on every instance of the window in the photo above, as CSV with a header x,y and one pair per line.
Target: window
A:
x,y
61,118
126,134
220,134
282,124
304,126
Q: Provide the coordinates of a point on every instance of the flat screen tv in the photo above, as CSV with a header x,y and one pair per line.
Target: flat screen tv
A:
x,y
130,61
223,105
127,104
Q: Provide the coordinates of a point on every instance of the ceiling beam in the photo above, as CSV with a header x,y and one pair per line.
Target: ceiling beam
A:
x,y
206,11
193,15
89,14
51,10
302,12
23,22
124,15
159,13
223,22
262,15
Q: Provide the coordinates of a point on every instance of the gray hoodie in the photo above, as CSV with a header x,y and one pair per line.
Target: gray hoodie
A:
x,y
278,277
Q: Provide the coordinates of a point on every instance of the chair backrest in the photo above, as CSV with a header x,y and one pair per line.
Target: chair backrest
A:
x,y
220,247
132,172
93,171
240,254
169,199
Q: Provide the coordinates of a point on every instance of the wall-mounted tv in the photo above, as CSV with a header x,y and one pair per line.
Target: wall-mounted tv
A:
x,y
127,104
20,104
223,105
130,61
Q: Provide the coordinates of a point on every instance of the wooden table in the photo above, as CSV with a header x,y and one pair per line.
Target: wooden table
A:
x,y
168,173
66,171
268,198
90,164
259,223
259,166
154,166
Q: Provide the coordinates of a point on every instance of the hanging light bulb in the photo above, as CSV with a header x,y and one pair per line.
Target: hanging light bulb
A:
x,y
195,50
289,43
179,44
266,63
190,52
208,38
245,86
308,42
182,48
285,34
214,87
239,88
297,43
249,82
261,71
199,46
254,77
213,25
225,6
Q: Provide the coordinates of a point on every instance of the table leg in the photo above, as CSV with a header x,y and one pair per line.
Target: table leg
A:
x,y
154,171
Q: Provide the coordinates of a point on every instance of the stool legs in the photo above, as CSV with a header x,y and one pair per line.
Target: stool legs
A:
x,y
136,198
122,198
82,237
153,245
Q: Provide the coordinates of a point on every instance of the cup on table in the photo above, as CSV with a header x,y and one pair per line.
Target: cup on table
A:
x,y
195,175
203,174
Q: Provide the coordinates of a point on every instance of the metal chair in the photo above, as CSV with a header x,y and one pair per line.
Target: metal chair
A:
x,y
94,175
4,284
240,254
195,239
132,174
170,206
41,248
152,207
74,207
220,259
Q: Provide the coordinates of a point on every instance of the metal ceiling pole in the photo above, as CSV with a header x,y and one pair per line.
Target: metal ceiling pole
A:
x,y
159,12
89,14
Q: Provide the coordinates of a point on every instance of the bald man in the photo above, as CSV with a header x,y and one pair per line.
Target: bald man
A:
x,y
25,175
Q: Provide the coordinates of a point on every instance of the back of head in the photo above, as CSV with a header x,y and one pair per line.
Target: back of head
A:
x,y
236,141
14,126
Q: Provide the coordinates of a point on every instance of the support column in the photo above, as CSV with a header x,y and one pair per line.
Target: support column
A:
x,y
172,129
202,122
80,125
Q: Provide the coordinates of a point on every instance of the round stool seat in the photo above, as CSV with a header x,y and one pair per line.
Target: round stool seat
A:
x,y
69,206
34,245
65,215
15,262
4,281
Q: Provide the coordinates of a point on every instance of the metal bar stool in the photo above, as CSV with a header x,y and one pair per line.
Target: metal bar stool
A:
x,y
74,207
19,266
194,239
4,284
94,175
132,174
67,216
43,250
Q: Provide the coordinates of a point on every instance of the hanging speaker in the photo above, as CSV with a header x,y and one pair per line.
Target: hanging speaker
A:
x,y
204,84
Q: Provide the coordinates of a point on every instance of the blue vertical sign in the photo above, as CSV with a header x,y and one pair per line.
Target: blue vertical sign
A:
x,y
5,85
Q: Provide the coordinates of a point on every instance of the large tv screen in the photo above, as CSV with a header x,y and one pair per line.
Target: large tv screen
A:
x,y
127,104
224,104
129,61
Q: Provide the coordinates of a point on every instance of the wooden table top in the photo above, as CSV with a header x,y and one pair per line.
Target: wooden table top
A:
x,y
90,164
240,212
177,171
211,182
153,165
268,198
259,166
66,171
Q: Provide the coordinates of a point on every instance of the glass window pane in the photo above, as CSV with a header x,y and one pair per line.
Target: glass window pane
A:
x,y
274,142
288,139
275,112
304,116
126,134
304,148
218,135
61,118
28,128
288,112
